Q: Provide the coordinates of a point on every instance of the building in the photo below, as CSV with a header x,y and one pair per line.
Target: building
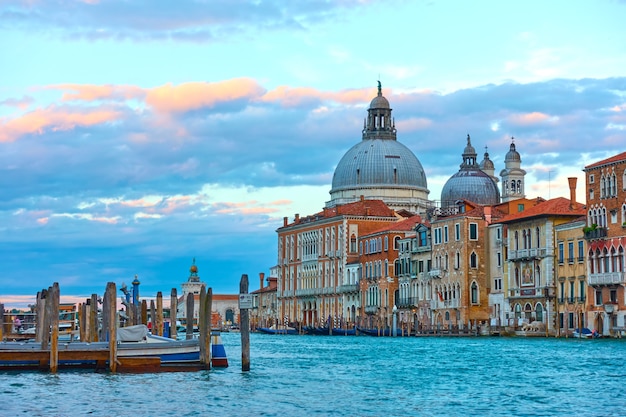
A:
x,y
264,312
531,245
571,276
605,233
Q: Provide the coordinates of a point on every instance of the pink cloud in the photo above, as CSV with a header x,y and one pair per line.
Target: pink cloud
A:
x,y
20,103
528,118
196,95
293,97
53,119
88,92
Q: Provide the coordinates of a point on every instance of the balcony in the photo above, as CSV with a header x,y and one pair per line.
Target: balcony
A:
x,y
420,249
349,288
607,278
597,233
371,309
533,253
408,302
435,273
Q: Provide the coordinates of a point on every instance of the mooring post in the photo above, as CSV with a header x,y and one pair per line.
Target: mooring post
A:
x,y
189,316
1,322
111,313
201,323
54,321
207,308
244,326
41,316
144,312
93,319
82,321
159,313
173,308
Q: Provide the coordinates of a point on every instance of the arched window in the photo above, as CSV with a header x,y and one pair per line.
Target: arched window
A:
x,y
447,316
516,240
538,237
539,312
396,242
518,311
474,293
524,239
517,277
386,243
528,312
353,243
473,260
537,276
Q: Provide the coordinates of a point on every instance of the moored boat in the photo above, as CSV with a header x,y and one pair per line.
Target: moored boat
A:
x,y
278,330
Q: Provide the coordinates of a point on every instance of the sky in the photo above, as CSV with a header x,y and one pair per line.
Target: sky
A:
x,y
138,136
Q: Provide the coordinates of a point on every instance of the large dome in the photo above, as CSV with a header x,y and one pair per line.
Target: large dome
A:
x,y
379,162
470,183
380,167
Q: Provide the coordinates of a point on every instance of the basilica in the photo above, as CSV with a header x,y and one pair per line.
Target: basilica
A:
x,y
380,251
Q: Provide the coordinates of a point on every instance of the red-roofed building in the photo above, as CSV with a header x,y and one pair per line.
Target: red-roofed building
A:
x,y
531,246
313,254
606,237
381,269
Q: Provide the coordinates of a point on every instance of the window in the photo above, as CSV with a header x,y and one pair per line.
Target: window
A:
x,y
396,241
353,243
570,252
457,231
457,260
613,296
445,234
561,255
386,243
561,321
581,291
520,208
360,248
497,284
570,320
613,216
438,236
591,194
499,259
473,231
474,293
591,178
581,251
598,297
571,298
473,260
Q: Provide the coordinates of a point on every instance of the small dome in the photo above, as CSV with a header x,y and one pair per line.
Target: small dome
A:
x,y
512,154
471,184
487,163
193,269
379,102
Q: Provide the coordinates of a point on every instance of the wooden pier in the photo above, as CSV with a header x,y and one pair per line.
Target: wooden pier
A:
x,y
98,348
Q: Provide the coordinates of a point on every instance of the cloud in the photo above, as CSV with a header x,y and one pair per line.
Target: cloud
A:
x,y
54,119
197,95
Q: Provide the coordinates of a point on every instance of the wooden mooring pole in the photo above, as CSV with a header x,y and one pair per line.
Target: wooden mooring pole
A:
x,y
111,313
206,311
159,313
1,322
53,313
173,308
201,323
244,327
189,316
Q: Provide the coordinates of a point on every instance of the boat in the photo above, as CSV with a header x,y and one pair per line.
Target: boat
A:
x,y
585,333
378,332
344,332
277,330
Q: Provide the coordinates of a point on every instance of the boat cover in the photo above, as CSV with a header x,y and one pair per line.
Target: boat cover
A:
x,y
132,333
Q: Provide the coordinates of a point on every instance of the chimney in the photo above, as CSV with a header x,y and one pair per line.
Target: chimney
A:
x,y
572,191
285,221
362,198
297,220
261,279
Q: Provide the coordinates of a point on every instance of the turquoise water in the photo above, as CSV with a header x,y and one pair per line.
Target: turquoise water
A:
x,y
351,376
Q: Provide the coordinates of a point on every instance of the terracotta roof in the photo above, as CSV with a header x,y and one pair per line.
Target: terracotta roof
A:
x,y
617,158
373,208
559,206
405,225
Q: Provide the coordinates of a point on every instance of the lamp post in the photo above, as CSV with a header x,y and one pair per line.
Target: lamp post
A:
x,y
395,320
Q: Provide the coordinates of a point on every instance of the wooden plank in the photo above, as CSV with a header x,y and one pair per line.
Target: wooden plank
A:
x,y
139,364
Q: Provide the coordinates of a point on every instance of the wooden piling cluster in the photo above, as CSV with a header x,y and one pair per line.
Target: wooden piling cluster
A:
x,y
101,326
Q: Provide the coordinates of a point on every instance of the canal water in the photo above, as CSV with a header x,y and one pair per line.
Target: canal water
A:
x,y
351,376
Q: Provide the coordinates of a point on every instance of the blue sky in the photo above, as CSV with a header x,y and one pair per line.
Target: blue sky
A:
x,y
135,136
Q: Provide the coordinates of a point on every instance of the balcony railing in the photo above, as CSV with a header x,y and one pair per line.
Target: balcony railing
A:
x,y
349,288
420,249
435,273
597,233
407,302
371,309
528,253
607,278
